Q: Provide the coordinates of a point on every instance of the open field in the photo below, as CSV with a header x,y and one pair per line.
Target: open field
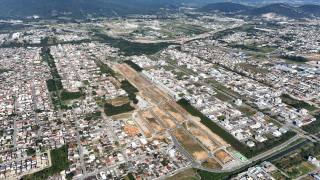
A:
x,y
189,174
190,145
119,101
201,136
278,175
214,137
132,76
164,118
299,169
122,116
175,111
143,126
131,130
151,120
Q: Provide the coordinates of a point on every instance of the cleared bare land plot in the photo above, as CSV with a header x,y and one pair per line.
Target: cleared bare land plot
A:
x,y
151,120
217,139
132,76
211,164
143,126
164,118
119,101
122,116
223,156
201,136
147,90
313,57
152,96
131,130
190,145
174,112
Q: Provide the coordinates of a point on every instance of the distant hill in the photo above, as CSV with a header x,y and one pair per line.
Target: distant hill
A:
x,y
226,7
281,9
97,8
81,8
310,9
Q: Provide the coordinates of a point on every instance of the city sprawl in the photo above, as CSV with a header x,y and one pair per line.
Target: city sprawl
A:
x,y
146,97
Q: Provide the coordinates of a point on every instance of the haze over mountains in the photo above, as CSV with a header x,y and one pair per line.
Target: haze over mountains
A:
x,y
286,10
83,8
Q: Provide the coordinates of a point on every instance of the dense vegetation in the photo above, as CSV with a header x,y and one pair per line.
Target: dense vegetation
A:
x,y
134,65
292,163
213,176
313,127
59,159
252,47
299,59
3,70
55,83
296,103
104,68
131,90
111,110
65,95
92,116
129,48
237,145
31,151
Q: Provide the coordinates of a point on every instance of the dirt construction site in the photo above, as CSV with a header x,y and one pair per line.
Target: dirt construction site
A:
x,y
164,115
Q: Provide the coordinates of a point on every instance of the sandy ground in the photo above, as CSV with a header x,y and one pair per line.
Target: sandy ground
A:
x,y
223,156
190,145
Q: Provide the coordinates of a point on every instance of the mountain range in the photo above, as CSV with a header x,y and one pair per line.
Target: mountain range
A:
x,y
83,8
282,9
